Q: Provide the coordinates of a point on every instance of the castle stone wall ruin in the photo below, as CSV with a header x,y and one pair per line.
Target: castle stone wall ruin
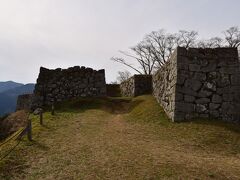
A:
x,y
200,83
62,84
164,85
137,85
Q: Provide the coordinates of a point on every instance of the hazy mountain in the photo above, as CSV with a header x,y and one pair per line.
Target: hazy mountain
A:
x,y
4,86
8,98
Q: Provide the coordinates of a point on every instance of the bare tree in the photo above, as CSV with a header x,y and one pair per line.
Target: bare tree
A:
x,y
157,47
186,38
162,45
232,37
123,76
214,42
142,54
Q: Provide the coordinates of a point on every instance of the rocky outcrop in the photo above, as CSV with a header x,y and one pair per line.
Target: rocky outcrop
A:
x,y
137,85
200,83
62,84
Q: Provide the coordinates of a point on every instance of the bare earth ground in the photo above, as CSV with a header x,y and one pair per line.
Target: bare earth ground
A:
x,y
131,140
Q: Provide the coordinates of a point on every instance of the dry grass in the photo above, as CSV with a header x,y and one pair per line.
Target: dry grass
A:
x,y
12,123
124,139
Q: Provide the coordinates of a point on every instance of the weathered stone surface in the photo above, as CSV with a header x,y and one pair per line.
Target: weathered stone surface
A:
x,y
186,90
200,83
216,98
137,85
193,84
200,108
184,107
194,67
199,76
204,93
228,97
179,97
164,91
62,84
213,106
210,86
203,101
214,113
188,98
235,79
223,80
211,67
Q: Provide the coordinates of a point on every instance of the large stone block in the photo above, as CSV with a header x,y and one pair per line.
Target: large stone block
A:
x,y
184,107
188,98
203,101
195,85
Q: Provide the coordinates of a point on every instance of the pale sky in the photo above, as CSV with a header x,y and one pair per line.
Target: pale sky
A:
x,y
64,33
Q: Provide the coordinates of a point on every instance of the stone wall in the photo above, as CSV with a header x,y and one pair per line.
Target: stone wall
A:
x,y
137,85
203,83
113,90
24,102
127,87
62,84
164,85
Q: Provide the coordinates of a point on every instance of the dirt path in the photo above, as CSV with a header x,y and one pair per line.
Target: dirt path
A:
x,y
100,145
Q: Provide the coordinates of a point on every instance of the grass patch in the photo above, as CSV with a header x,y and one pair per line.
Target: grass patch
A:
x,y
146,109
123,138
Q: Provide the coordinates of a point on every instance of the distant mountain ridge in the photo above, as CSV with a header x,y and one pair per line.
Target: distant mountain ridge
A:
x,y
4,86
8,98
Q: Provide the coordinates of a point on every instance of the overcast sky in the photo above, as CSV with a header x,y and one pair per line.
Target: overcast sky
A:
x,y
64,33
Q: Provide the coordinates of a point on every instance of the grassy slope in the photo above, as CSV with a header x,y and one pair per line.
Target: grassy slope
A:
x,y
123,139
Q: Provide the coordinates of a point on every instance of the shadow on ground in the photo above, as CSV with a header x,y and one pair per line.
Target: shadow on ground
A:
x,y
110,105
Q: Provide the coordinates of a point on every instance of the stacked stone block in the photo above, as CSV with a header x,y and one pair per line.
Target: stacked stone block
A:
x,y
137,85
164,85
62,84
206,84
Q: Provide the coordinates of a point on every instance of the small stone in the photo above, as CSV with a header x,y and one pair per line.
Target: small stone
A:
x,y
212,75
199,76
213,106
216,99
204,93
202,101
227,97
210,86
214,114
235,79
37,111
184,107
188,98
178,97
201,108
194,67
193,84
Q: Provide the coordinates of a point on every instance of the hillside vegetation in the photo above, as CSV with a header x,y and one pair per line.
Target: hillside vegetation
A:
x,y
124,138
